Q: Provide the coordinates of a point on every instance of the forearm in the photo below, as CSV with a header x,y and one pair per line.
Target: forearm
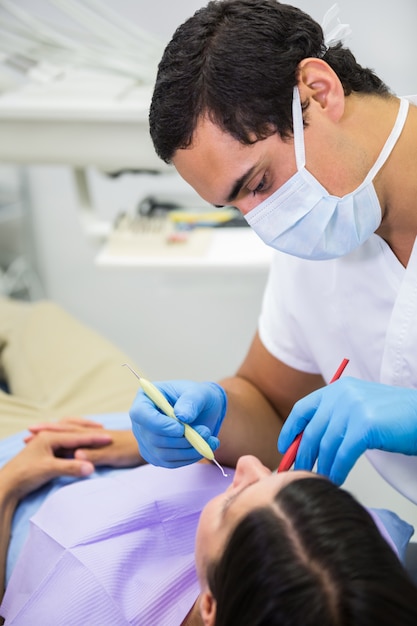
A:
x,y
8,505
251,425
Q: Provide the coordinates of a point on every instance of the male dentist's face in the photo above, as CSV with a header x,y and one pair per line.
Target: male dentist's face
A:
x,y
224,171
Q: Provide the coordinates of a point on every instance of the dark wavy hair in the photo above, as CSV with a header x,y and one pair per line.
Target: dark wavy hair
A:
x,y
236,61
313,558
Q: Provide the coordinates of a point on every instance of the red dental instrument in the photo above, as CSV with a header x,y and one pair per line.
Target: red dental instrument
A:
x,y
289,457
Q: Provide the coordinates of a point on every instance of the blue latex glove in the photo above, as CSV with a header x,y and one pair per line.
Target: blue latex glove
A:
x,y
161,439
342,420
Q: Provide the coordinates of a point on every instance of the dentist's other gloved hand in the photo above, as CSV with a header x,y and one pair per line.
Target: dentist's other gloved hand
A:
x,y
161,438
342,420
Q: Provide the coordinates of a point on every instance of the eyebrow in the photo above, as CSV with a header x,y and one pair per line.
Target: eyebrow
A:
x,y
239,184
231,499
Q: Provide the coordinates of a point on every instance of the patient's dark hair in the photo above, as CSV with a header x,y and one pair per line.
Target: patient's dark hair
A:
x,y
314,557
237,61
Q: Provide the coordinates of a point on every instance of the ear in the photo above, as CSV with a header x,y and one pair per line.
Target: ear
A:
x,y
319,82
208,608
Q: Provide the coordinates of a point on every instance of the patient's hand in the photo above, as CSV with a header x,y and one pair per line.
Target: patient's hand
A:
x,y
121,451
45,457
66,424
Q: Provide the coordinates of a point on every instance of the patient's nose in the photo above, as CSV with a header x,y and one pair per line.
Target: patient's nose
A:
x,y
249,469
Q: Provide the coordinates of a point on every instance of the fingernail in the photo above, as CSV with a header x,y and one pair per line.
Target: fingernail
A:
x,y
86,469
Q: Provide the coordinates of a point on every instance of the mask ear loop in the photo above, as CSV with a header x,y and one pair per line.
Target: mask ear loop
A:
x,y
333,30
391,141
298,129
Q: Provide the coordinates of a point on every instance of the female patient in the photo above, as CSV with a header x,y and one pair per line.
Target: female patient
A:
x,y
270,548
117,547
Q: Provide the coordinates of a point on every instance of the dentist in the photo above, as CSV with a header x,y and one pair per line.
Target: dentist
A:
x,y
256,110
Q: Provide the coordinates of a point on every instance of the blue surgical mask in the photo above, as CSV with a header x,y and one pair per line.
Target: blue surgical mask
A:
x,y
301,218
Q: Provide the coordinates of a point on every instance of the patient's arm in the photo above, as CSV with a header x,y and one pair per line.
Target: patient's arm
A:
x,y
38,463
122,451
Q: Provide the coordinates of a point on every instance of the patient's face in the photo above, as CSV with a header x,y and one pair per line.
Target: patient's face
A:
x,y
254,485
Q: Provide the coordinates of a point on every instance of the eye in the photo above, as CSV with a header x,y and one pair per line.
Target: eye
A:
x,y
260,187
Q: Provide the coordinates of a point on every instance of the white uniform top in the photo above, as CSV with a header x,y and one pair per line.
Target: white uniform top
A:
x,y
363,307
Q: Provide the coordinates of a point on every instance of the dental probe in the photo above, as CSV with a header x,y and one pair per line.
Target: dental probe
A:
x,y
191,435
